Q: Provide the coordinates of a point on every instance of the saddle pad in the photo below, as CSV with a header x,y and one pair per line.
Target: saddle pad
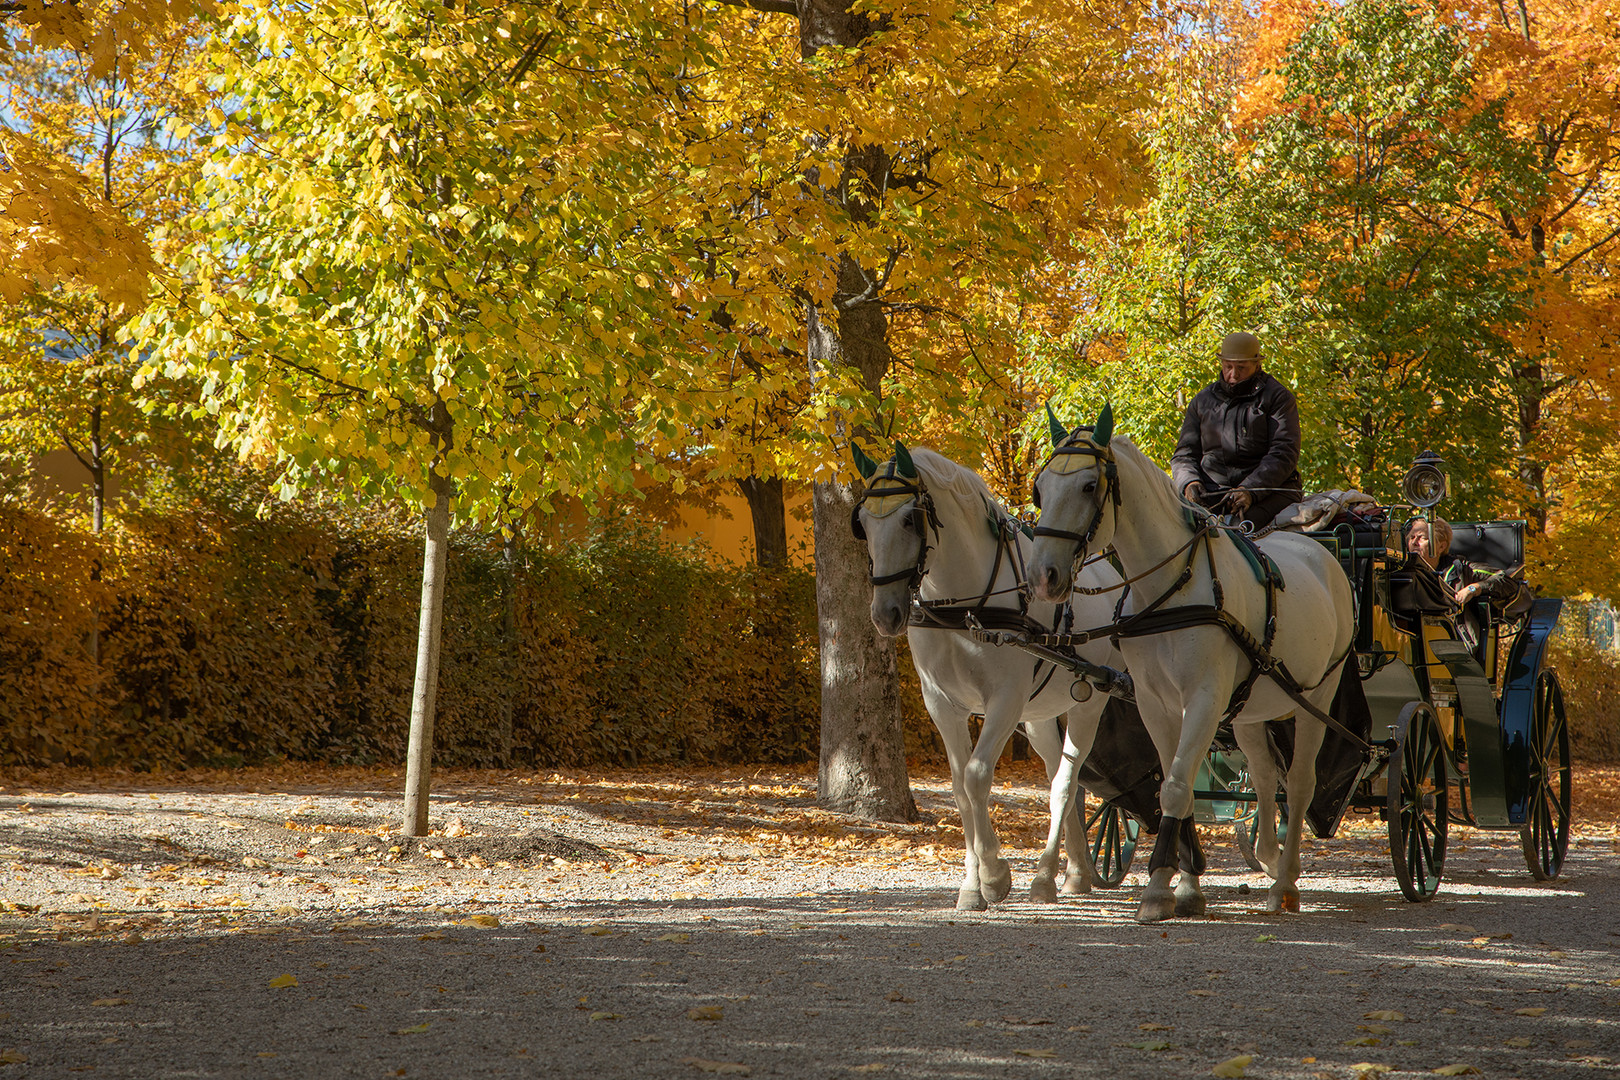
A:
x,y
1264,569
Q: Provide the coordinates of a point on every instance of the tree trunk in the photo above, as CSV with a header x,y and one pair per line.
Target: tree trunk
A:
x,y
863,759
769,511
419,756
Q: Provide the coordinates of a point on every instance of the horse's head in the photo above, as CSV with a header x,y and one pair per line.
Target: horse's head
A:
x,y
1069,493
894,517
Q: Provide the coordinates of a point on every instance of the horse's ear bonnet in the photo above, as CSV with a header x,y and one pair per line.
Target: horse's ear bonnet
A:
x,y
1058,434
1104,429
902,461
865,465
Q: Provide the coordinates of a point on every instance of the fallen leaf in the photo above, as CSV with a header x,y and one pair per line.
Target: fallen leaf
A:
x,y
1365,1040
1149,1045
432,935
1520,1042
1337,971
11,1057
677,939
266,1054
254,864
595,1016
283,981
1036,1053
895,995
417,1030
1368,1068
110,1001
1538,1011
736,1068
287,910
351,924
486,921
705,1012
1455,1070
1266,937
1232,1068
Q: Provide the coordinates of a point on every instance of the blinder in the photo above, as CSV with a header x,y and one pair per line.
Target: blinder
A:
x,y
1079,443
920,517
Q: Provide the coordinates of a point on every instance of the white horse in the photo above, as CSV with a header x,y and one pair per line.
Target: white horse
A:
x,y
935,532
1100,492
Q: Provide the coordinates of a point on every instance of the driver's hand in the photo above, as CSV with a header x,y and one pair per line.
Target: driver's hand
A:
x,y
1239,499
1193,492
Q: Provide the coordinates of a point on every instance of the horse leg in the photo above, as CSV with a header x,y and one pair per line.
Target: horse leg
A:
x,y
995,876
1308,736
952,724
1251,739
1159,901
1061,762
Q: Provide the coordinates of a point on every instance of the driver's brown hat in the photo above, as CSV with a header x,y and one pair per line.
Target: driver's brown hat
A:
x,y
1240,345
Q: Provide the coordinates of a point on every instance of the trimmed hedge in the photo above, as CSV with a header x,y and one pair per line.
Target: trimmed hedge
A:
x,y
231,637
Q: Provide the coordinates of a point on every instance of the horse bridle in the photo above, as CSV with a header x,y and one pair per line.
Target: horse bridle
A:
x,y
921,515
1073,447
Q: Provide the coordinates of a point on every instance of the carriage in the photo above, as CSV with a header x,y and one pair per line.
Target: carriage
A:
x,y
1441,726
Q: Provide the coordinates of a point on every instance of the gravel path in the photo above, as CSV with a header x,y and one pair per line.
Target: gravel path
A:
x,y
273,926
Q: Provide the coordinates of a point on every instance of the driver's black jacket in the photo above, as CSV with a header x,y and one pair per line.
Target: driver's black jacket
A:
x,y
1241,436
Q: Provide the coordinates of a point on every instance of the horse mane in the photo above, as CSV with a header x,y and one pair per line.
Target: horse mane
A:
x,y
961,483
1148,480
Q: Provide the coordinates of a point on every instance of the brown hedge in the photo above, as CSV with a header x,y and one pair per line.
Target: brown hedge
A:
x,y
226,636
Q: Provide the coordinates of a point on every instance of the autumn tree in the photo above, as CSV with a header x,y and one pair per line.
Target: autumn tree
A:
x,y
431,261
891,175
57,224
124,119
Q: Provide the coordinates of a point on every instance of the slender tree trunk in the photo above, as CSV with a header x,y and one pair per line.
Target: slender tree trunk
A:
x,y
509,643
435,552
769,511
98,521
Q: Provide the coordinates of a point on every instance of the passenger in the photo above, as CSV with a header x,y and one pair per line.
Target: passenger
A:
x,y
1240,439
1431,542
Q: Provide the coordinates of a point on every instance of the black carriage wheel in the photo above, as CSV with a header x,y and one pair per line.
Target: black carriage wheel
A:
x,y
1246,831
1545,832
1418,793
1111,837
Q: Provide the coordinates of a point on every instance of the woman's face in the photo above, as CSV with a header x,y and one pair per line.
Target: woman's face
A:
x,y
1417,542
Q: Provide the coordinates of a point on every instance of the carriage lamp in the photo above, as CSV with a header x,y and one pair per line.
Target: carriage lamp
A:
x,y
1425,482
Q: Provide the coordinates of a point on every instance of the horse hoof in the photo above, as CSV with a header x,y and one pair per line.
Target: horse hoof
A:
x,y
994,888
1282,899
970,900
1156,909
1043,891
1076,884
1190,905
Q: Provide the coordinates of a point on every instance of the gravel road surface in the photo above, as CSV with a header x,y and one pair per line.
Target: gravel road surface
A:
x,y
275,926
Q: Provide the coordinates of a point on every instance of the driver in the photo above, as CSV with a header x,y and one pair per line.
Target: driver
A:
x,y
1239,446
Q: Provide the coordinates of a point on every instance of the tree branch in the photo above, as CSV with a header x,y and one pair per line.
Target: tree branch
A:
x,y
774,7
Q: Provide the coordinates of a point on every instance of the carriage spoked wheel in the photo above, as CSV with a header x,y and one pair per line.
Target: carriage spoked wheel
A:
x,y
1111,837
1545,832
1418,791
1246,831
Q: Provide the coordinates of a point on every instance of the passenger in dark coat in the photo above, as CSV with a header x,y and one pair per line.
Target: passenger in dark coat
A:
x,y
1240,439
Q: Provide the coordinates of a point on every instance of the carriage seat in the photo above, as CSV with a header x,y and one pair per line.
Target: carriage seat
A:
x,y
1494,545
